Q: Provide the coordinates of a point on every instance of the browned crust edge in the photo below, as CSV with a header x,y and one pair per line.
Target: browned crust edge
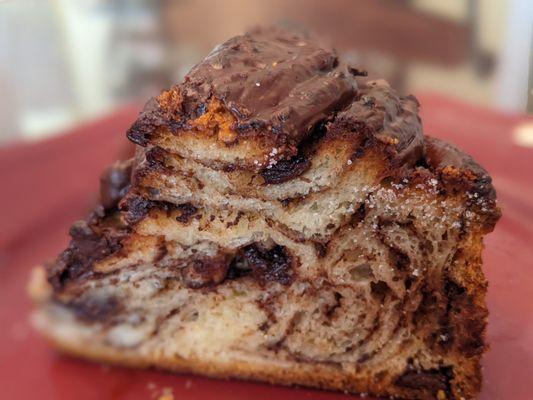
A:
x,y
317,376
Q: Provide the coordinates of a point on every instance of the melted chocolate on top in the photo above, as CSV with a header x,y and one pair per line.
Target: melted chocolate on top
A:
x,y
274,82
380,115
455,167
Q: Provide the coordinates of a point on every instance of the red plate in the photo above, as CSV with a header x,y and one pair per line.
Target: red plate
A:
x,y
48,185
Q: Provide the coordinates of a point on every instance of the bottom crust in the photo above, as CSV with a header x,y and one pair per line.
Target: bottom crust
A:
x,y
286,373
72,338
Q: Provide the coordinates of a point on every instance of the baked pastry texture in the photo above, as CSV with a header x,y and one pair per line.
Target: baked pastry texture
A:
x,y
284,220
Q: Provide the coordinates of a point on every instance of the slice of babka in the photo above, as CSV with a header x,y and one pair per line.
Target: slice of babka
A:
x,y
284,220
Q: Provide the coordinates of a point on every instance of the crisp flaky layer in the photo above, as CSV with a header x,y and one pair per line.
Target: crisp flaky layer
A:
x,y
314,205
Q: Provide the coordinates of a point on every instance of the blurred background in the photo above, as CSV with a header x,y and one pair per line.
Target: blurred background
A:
x,y
63,62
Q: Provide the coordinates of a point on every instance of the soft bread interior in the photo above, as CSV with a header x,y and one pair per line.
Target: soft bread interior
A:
x,y
366,304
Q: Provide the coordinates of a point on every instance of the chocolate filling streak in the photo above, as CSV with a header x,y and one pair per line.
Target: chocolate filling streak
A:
x,y
280,172
458,322
207,271
97,237
136,207
433,380
465,319
91,242
263,265
95,309
285,170
101,235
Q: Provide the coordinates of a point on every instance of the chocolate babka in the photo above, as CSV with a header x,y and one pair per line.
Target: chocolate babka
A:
x,y
285,220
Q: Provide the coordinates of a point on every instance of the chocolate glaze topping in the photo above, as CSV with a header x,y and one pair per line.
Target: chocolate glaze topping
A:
x,y
383,117
441,154
274,82
455,167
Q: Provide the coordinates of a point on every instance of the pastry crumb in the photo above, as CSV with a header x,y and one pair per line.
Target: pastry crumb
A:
x,y
166,395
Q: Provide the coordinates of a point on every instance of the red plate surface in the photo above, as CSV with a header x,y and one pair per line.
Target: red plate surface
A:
x,y
46,186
